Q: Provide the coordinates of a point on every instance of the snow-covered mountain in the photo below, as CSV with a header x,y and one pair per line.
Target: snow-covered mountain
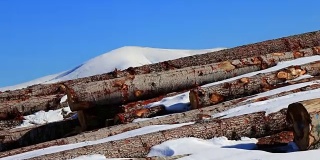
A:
x,y
120,58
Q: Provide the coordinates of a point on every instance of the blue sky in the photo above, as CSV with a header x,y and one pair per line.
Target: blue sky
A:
x,y
42,37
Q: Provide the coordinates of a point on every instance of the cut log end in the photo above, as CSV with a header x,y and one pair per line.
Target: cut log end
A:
x,y
194,100
299,117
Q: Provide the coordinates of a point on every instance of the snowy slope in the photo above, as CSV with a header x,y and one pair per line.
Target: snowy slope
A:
x,y
121,58
218,148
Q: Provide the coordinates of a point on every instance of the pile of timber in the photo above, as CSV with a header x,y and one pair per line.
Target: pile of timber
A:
x,y
110,102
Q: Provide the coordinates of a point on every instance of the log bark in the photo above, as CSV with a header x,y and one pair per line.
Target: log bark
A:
x,y
20,137
304,116
128,117
15,108
189,116
250,125
132,88
206,96
276,143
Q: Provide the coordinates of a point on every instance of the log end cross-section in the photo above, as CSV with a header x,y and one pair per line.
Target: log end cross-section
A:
x,y
304,116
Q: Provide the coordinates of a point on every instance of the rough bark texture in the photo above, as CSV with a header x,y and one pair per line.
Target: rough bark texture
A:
x,y
136,87
140,113
206,96
250,125
21,137
304,116
276,143
193,115
14,108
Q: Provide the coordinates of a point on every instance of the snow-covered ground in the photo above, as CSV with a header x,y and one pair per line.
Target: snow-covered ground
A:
x,y
218,148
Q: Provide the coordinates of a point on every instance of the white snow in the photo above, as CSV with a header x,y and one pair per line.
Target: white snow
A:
x,y
43,117
218,148
120,58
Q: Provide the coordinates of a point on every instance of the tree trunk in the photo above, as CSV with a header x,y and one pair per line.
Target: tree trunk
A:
x,y
25,93
304,116
132,88
189,116
128,117
16,108
21,137
276,143
206,96
251,125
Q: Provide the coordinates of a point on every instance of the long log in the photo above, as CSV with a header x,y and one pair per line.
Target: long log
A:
x,y
14,108
304,116
136,87
250,125
193,115
206,96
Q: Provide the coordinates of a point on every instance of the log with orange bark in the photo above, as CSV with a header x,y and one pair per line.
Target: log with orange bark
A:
x,y
304,116
206,96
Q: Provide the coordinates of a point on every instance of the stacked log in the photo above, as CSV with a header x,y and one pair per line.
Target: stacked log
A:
x,y
250,125
136,87
206,96
202,114
104,93
284,44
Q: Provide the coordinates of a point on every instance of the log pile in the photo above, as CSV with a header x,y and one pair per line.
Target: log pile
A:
x,y
107,104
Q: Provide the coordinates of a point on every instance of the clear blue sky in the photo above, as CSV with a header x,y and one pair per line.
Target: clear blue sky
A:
x,y
42,37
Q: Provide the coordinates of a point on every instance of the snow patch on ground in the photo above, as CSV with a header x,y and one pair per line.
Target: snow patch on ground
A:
x,y
194,145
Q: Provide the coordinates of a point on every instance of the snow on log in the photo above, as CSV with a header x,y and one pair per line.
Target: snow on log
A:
x,y
206,96
138,87
250,125
304,116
